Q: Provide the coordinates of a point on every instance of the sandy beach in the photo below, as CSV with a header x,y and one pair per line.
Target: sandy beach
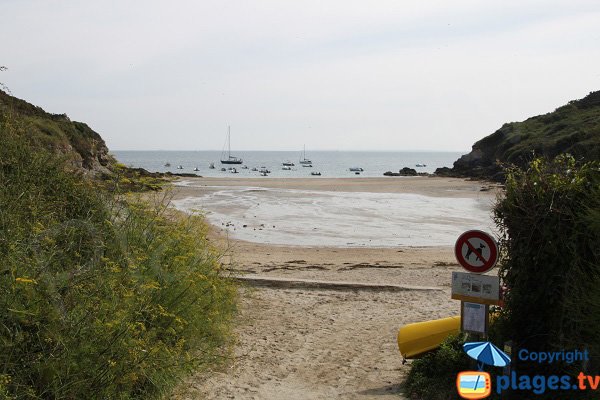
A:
x,y
320,322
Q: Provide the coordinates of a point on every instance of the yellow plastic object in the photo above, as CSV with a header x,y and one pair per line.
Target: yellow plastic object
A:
x,y
421,337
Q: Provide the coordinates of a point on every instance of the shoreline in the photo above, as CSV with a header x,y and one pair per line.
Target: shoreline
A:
x,y
427,186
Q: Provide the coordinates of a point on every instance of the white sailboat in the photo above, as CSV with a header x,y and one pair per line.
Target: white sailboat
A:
x,y
305,161
230,159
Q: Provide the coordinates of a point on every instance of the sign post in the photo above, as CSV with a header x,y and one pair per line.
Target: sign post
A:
x,y
477,252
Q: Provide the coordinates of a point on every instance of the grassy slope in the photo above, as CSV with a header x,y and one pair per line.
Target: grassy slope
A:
x,y
83,146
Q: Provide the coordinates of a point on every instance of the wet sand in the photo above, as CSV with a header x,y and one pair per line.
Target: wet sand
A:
x,y
341,212
328,341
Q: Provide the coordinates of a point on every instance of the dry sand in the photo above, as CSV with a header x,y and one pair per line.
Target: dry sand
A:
x,y
314,338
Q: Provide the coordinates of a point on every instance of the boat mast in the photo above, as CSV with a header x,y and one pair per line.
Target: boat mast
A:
x,y
228,141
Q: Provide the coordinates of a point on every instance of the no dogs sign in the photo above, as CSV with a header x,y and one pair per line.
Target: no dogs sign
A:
x,y
476,251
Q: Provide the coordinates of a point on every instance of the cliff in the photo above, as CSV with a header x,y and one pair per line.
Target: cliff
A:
x,y
573,128
82,146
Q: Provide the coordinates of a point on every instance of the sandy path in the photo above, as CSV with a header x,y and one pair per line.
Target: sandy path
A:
x,y
319,343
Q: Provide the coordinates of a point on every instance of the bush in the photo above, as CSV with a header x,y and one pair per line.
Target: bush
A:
x,y
433,377
99,297
550,263
550,220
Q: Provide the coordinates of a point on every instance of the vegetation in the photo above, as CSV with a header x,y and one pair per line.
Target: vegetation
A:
x,y
573,128
2,85
550,220
433,377
550,263
82,147
102,296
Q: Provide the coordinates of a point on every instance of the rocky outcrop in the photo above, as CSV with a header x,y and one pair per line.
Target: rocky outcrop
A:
x,y
405,172
573,128
81,145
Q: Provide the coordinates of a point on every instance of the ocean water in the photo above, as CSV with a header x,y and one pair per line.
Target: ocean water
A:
x,y
331,164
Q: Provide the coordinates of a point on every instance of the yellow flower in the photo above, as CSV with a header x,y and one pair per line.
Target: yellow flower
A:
x,y
26,280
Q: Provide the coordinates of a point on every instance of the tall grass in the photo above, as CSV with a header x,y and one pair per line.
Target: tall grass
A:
x,y
101,296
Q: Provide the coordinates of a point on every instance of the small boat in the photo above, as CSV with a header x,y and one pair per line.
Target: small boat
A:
x,y
315,173
180,167
264,170
167,164
286,168
244,167
419,338
263,173
196,169
356,169
254,169
223,170
305,160
357,173
211,165
307,165
420,165
233,170
230,159
287,163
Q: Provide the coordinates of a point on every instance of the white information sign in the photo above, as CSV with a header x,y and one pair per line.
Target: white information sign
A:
x,y
476,288
474,317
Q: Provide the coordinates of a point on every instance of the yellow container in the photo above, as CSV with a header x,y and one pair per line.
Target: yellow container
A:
x,y
421,337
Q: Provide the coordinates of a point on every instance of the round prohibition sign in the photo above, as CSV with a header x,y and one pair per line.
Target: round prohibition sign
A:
x,y
476,251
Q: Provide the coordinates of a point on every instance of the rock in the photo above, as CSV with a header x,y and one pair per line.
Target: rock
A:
x,y
407,172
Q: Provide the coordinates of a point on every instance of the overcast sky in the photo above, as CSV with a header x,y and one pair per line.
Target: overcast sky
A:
x,y
343,74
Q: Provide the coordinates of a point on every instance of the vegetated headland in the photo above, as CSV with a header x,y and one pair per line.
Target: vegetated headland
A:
x,y
573,128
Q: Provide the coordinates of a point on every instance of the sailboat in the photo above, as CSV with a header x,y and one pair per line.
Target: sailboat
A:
x,y
305,161
230,159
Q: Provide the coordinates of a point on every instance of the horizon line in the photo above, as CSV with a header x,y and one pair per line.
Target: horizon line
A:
x,y
312,151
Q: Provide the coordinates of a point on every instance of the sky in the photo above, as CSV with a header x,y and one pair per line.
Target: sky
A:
x,y
328,74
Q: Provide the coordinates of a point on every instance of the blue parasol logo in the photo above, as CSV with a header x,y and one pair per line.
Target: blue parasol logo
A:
x,y
486,354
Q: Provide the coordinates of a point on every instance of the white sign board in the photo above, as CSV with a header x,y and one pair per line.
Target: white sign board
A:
x,y
474,317
476,288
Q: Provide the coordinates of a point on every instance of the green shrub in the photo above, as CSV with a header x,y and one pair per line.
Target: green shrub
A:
x,y
550,220
100,297
550,262
433,377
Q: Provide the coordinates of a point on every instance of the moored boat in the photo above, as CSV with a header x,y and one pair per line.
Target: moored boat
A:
x,y
230,159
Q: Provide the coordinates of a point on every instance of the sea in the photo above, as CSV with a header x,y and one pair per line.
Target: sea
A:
x,y
331,164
